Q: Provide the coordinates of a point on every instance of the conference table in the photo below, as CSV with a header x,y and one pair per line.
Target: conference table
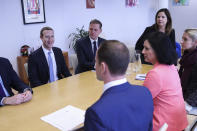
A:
x,y
80,90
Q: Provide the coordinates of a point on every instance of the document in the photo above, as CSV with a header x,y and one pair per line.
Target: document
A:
x,y
140,77
190,110
65,119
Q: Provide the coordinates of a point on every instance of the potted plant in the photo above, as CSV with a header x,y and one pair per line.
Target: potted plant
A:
x,y
80,32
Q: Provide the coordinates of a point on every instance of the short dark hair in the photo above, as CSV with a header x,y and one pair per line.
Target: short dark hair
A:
x,y
95,21
163,48
43,29
169,20
115,54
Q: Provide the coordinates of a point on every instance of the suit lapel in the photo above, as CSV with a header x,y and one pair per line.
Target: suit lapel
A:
x,y
3,77
56,59
43,60
99,41
89,47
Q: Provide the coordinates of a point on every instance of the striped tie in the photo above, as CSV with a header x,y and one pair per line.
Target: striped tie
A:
x,y
94,53
50,62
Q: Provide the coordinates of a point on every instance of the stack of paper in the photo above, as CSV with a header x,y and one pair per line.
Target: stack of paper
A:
x,y
140,77
190,110
66,118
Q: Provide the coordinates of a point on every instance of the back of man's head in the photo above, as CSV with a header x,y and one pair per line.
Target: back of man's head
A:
x,y
116,55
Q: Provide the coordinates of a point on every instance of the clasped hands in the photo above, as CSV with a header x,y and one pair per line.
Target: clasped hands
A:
x,y
18,98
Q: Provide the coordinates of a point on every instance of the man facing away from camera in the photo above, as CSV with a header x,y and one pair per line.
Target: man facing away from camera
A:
x,y
122,106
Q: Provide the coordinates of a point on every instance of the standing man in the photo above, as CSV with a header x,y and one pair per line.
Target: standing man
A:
x,y
122,106
87,46
47,63
8,80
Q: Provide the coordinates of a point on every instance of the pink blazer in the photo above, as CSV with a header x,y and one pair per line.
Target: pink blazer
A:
x,y
164,84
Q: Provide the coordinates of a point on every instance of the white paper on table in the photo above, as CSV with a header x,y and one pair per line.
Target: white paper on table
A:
x,y
188,107
140,77
66,118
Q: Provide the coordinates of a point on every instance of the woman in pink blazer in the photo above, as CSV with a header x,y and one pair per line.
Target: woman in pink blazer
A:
x,y
164,83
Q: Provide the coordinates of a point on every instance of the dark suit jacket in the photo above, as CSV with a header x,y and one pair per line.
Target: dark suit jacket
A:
x,y
85,55
188,76
38,69
10,78
140,42
121,108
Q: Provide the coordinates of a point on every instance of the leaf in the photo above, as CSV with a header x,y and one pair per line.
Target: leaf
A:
x,y
80,32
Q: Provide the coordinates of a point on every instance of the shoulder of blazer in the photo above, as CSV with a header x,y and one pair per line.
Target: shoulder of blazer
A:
x,y
57,52
37,52
56,49
83,40
3,60
150,29
101,40
4,63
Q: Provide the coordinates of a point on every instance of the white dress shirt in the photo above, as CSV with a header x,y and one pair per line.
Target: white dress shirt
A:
x,y
53,60
91,40
114,83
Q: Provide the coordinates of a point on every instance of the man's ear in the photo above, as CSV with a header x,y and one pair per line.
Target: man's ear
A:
x,y
103,67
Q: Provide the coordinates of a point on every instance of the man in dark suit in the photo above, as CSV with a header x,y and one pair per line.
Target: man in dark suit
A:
x,y
47,63
8,80
86,47
122,106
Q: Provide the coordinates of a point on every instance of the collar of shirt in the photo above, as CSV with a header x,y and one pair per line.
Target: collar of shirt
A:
x,y
46,52
91,40
53,59
114,83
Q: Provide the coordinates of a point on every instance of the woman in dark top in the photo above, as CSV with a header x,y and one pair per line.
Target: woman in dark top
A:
x,y
188,69
163,23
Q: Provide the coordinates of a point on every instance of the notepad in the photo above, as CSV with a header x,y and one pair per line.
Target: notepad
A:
x,y
140,77
65,119
190,110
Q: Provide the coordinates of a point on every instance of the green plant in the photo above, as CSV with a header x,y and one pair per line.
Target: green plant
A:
x,y
76,36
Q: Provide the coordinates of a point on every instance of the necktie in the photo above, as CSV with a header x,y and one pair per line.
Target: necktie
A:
x,y
2,93
51,73
94,43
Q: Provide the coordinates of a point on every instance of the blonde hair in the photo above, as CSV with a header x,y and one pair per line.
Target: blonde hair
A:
x,y
192,33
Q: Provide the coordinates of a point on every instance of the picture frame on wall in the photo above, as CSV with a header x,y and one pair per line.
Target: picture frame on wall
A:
x,y
180,2
33,11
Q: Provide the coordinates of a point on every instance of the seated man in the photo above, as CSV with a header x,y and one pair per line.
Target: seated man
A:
x,y
8,79
47,63
86,47
122,106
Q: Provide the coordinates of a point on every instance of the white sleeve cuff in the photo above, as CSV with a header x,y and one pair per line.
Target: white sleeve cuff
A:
x,y
2,101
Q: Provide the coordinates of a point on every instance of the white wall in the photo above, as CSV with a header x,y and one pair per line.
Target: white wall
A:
x,y
183,17
14,33
119,22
